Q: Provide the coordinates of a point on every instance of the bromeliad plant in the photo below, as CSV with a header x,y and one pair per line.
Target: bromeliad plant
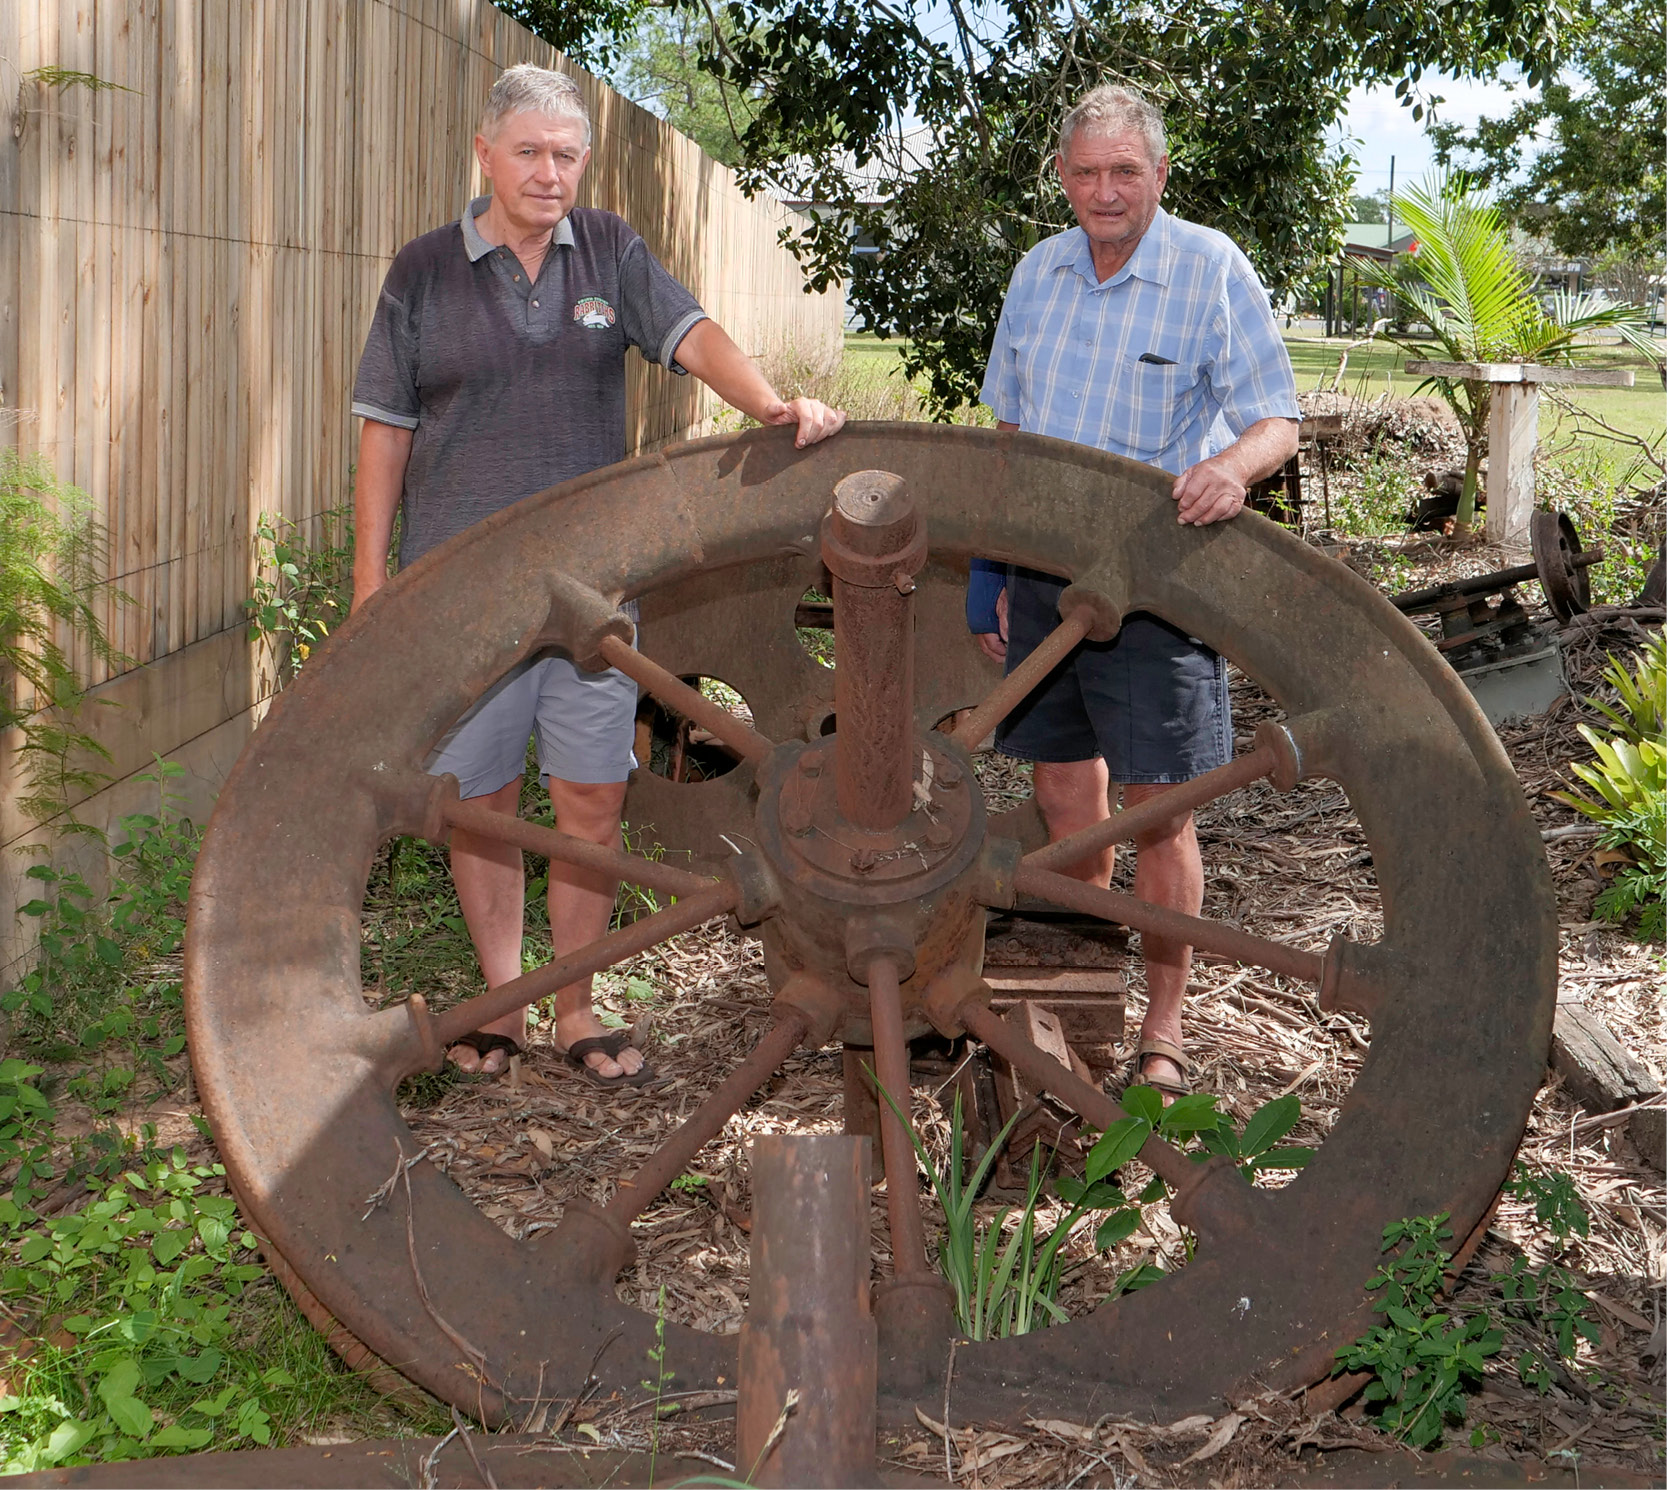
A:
x,y
1481,306
1629,778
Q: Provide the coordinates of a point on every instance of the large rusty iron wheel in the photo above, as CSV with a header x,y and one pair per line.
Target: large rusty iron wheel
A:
x,y
864,942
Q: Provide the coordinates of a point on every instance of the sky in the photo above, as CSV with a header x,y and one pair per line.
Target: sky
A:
x,y
1382,127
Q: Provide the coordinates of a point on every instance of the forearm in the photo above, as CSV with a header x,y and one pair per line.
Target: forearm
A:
x,y
384,451
708,353
1261,450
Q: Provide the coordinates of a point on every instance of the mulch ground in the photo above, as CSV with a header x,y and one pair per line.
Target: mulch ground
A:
x,y
1295,867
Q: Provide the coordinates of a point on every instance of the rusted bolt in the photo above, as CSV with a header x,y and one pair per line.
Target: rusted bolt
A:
x,y
863,860
939,834
904,581
948,773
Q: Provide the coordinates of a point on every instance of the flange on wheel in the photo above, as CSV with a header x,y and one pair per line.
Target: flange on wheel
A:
x,y
298,1074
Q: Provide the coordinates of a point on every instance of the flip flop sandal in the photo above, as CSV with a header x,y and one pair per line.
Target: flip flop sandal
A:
x,y
610,1045
483,1044
1154,1046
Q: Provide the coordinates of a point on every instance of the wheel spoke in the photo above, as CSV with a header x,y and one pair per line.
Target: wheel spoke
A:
x,y
1012,691
628,941
891,1061
1158,920
564,847
636,1194
1089,1102
672,691
1264,760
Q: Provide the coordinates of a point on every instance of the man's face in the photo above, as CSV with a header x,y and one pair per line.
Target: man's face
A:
x,y
534,165
1113,186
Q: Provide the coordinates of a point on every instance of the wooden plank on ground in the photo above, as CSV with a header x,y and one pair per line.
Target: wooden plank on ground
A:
x,y
1597,1070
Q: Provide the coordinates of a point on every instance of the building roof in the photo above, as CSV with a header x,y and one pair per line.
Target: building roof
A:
x,y
1374,238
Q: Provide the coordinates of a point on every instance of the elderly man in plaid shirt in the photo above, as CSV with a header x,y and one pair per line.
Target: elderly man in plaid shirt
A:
x,y
1152,338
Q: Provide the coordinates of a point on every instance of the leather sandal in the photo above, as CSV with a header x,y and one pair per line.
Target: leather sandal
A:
x,y
483,1043
610,1045
1152,1045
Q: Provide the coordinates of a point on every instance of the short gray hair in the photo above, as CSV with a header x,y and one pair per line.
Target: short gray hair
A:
x,y
1109,109
527,89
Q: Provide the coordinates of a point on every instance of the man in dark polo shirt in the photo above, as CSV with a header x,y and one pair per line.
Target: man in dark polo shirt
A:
x,y
495,368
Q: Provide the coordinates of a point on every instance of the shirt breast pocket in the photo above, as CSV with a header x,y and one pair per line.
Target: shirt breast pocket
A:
x,y
1152,399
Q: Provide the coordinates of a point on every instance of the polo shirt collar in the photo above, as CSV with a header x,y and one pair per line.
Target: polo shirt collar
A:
x,y
1153,259
477,247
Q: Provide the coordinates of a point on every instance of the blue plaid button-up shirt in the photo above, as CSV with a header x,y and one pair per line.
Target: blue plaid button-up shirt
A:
x,y
1168,361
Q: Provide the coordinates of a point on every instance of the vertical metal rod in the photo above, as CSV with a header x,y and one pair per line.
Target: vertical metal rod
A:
x,y
809,1326
872,547
891,1063
862,1106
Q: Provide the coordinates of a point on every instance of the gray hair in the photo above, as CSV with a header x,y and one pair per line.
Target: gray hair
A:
x,y
1108,109
526,89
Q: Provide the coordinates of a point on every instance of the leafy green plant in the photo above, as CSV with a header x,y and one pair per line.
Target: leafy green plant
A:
x,y
1423,1358
138,1289
1481,306
301,588
1006,1279
1557,1204
1630,779
100,975
1547,1299
1640,694
51,558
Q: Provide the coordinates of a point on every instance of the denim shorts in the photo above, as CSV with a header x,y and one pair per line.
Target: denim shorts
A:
x,y
585,724
1153,700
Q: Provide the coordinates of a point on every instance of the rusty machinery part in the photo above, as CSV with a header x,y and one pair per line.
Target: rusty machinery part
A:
x,y
720,539
1560,565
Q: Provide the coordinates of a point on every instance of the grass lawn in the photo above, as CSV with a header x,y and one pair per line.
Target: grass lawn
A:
x,y
1377,368
1374,369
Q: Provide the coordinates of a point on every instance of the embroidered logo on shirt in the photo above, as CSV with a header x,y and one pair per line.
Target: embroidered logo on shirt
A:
x,y
595,312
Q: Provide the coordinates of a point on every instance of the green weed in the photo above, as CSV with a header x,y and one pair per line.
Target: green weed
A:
x,y
1423,1359
303,587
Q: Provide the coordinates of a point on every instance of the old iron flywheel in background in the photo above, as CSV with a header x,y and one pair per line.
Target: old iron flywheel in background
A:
x,y
719,539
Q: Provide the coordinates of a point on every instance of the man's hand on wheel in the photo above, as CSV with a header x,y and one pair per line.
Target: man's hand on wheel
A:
x,y
815,419
1210,492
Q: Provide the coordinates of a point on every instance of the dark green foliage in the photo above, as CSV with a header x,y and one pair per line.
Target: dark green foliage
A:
x,y
1249,87
1556,1202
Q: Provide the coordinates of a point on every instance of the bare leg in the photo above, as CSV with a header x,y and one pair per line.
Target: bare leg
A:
x,y
491,889
1169,871
581,905
1072,796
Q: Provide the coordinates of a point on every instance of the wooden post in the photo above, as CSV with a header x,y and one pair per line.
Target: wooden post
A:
x,y
1514,429
1513,432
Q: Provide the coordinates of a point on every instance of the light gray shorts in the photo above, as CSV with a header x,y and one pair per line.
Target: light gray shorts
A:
x,y
584,723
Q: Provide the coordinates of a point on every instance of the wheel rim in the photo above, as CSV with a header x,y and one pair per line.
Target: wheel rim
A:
x,y
297,1074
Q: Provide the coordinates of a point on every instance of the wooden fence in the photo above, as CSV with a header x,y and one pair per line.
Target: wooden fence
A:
x,y
198,201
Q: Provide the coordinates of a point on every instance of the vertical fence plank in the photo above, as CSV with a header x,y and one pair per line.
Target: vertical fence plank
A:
x,y
188,270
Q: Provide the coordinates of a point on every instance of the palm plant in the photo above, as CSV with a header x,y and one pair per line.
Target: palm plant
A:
x,y
1481,306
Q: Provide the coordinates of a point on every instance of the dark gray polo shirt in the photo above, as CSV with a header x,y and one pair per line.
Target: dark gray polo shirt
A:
x,y
511,387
